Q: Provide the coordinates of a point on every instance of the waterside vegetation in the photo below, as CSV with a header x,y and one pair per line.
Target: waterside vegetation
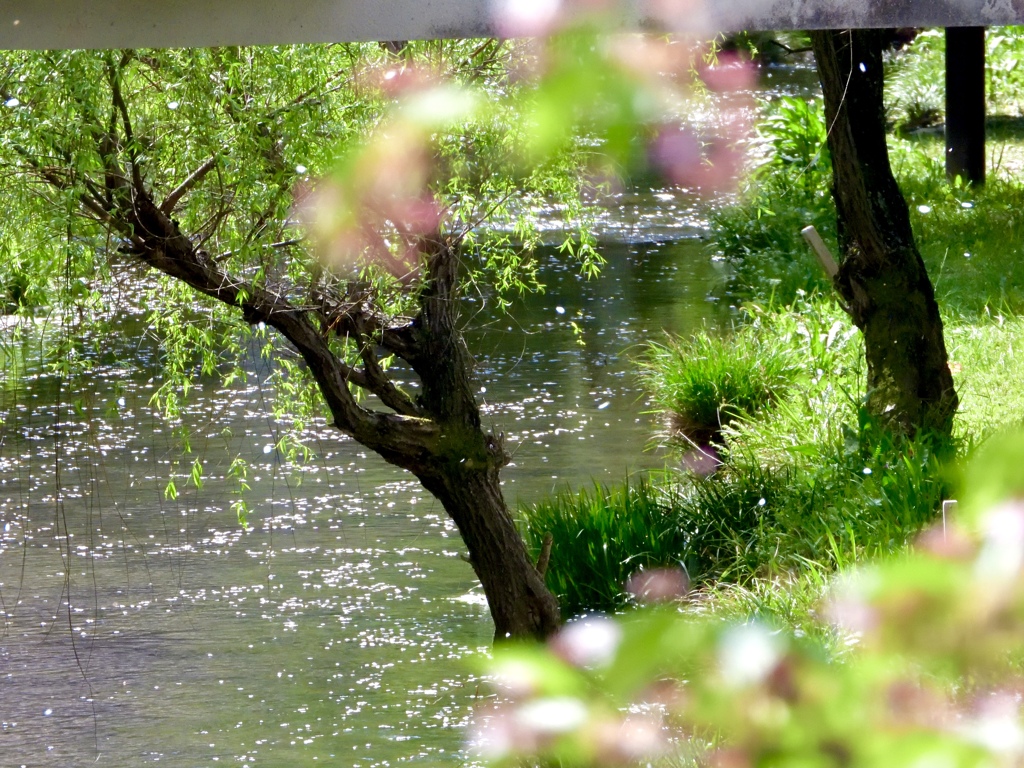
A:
x,y
804,481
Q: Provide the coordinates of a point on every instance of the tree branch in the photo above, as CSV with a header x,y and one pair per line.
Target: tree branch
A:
x,y
114,74
167,206
54,179
407,441
339,317
379,383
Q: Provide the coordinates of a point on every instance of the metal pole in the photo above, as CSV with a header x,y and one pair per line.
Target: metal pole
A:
x,y
965,103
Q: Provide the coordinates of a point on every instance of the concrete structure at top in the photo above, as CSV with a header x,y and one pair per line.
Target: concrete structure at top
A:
x,y
38,24
28,24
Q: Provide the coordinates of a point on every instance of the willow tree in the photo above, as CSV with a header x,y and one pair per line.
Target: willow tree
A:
x,y
197,164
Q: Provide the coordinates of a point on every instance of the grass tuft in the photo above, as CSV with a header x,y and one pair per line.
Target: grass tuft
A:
x,y
704,383
600,537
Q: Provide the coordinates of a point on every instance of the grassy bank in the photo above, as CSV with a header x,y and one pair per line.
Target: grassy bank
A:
x,y
805,483
805,478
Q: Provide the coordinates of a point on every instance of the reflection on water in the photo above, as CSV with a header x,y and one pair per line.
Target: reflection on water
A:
x,y
140,628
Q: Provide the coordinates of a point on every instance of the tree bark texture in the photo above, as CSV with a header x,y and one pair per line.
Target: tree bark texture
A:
x,y
520,602
882,276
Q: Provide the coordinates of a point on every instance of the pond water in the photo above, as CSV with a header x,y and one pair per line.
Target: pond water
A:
x,y
342,628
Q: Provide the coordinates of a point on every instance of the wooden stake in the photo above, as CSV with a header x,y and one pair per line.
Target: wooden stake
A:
x,y
821,250
948,510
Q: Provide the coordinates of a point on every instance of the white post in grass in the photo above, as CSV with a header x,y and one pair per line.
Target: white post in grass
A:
x,y
948,510
821,250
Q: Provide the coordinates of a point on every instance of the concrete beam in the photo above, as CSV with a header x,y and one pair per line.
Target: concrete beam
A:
x,y
34,24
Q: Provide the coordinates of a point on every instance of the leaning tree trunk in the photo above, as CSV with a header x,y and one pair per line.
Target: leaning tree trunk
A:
x,y
464,471
882,277
520,603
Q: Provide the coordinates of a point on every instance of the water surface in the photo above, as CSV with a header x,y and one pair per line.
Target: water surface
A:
x,y
342,627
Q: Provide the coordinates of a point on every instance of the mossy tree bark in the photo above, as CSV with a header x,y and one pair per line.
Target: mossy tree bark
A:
x,y
882,276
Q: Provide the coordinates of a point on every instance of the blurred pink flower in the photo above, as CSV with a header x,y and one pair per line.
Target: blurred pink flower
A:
x,y
685,159
658,585
629,741
589,642
729,73
526,18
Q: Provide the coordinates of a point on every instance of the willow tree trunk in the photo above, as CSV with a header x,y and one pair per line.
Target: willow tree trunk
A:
x,y
882,277
520,603
463,472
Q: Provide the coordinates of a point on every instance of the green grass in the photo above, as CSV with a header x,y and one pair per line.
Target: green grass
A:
x,y
808,481
989,358
809,485
704,383
601,536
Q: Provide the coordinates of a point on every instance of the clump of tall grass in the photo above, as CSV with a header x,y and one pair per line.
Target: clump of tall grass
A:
x,y
702,384
747,522
602,535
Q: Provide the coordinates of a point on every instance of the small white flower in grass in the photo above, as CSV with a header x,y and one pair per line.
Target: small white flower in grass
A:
x,y
12,102
747,654
172,105
300,169
924,209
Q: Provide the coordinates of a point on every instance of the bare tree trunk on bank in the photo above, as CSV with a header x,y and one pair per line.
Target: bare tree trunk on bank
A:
x,y
882,277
